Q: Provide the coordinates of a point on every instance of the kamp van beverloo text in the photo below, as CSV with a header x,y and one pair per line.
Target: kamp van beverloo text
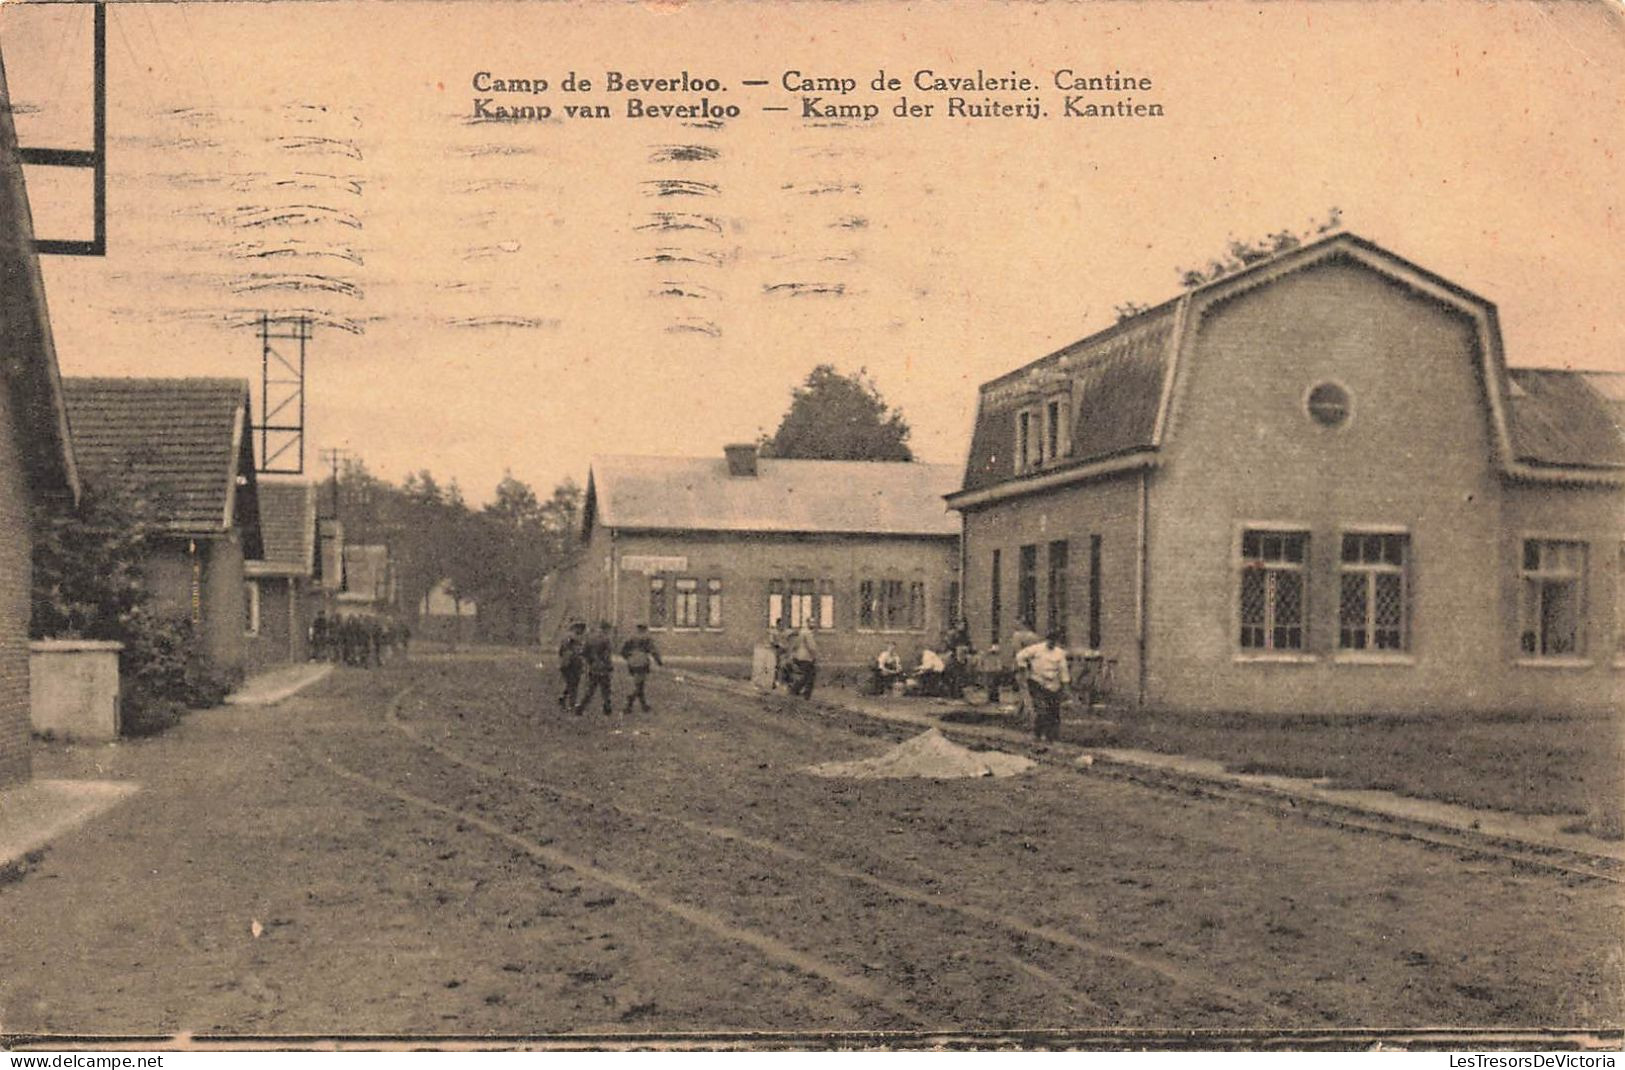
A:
x,y
921,93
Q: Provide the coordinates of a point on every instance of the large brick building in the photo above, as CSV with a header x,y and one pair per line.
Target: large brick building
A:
x,y
181,447
709,551
36,461
1313,485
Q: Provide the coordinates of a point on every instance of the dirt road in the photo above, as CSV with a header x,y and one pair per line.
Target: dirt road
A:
x,y
436,849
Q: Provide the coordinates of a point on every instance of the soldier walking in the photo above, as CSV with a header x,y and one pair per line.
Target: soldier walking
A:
x,y
572,659
638,652
599,654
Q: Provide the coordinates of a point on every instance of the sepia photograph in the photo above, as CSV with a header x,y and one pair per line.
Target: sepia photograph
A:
x,y
790,526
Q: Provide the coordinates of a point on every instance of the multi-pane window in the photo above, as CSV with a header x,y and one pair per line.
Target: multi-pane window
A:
x,y
1027,591
868,605
713,603
687,603
1055,429
1551,593
1056,607
657,601
1373,583
802,595
890,605
775,603
826,604
1026,441
893,608
1273,589
251,607
995,601
916,606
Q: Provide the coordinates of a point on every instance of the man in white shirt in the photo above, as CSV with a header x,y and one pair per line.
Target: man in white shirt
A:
x,y
1048,676
928,677
888,668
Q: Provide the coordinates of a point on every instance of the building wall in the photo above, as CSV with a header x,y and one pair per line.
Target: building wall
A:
x,y
16,570
206,583
1075,515
283,635
1416,454
1595,677
599,588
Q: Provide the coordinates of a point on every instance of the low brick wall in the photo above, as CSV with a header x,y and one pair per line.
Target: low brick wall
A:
x,y
73,688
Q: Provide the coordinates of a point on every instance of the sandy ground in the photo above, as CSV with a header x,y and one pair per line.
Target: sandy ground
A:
x,y
434,848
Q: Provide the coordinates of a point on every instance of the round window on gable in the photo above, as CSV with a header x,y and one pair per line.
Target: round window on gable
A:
x,y
1329,405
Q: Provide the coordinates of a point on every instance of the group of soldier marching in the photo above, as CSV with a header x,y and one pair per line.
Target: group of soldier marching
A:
x,y
360,640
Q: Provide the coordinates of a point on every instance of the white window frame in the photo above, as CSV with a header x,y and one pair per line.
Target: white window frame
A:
x,y
713,604
1029,440
1060,429
1576,658
685,604
1370,655
1300,654
251,595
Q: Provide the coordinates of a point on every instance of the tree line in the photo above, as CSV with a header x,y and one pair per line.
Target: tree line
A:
x,y
495,556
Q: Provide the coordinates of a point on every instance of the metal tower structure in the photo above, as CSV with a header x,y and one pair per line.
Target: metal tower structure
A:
x,y
281,427
94,158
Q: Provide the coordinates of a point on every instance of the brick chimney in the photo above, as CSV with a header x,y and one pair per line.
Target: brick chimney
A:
x,y
741,459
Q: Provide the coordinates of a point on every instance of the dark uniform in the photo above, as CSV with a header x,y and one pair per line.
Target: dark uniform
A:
x,y
599,654
638,652
572,659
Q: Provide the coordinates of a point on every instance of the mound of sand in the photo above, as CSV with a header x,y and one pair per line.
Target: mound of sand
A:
x,y
929,754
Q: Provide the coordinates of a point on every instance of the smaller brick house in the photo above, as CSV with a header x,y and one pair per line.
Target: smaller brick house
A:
x,y
710,551
36,458
182,447
283,589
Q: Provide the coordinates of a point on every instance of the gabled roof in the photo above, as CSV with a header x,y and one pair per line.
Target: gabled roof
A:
x,y
784,497
1548,425
28,368
181,445
288,527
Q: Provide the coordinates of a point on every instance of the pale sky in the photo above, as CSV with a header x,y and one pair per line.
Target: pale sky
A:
x,y
524,296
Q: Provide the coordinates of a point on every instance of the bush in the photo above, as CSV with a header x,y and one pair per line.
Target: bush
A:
x,y
164,672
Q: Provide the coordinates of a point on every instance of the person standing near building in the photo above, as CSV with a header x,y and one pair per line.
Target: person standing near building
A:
x,y
1020,640
1047,678
803,662
572,659
599,655
638,652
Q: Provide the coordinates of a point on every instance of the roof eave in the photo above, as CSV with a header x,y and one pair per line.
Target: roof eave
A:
x,y
1065,477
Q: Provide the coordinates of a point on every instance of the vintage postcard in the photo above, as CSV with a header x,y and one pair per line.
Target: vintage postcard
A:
x,y
792,525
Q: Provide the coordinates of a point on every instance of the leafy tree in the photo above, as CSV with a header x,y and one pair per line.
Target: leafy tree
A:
x,y
1243,254
835,417
88,581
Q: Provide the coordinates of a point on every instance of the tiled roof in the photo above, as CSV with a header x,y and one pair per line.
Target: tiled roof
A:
x,y
832,497
1566,418
1118,373
288,525
174,442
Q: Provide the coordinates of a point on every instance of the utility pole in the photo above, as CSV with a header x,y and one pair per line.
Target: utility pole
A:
x,y
334,458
